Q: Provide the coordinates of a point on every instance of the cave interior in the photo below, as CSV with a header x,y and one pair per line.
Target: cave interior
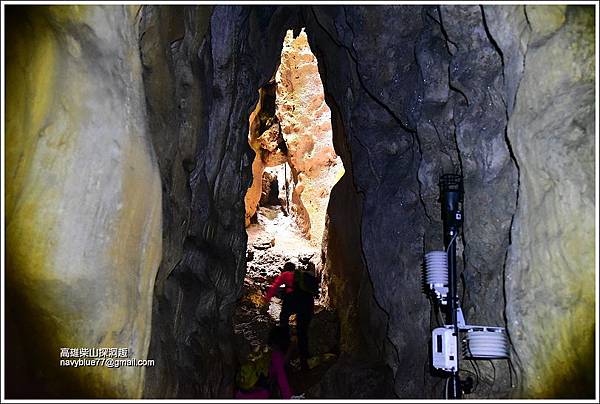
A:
x,y
165,161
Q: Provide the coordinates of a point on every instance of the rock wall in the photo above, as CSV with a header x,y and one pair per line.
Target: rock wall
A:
x,y
305,121
502,94
83,208
550,275
203,67
436,93
365,84
266,140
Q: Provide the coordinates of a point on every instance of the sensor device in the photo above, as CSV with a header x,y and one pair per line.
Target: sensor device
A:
x,y
435,276
444,349
439,283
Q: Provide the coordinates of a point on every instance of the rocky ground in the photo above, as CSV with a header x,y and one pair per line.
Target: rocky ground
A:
x,y
273,240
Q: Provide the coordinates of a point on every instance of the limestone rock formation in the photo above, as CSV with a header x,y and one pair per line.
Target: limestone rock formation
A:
x,y
306,127
550,275
360,379
403,134
267,142
83,201
100,149
384,155
213,61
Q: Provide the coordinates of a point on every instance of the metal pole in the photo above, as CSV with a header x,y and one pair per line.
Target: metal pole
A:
x,y
451,194
454,390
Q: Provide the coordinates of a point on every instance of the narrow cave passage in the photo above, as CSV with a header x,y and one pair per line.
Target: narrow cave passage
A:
x,y
294,171
128,163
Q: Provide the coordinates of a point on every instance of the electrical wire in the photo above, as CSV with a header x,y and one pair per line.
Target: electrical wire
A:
x,y
475,368
512,369
430,311
478,371
435,386
436,310
474,365
433,312
426,361
468,371
476,375
476,378
462,277
451,241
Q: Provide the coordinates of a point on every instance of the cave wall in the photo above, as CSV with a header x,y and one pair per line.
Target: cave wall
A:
x,y
439,91
305,121
385,157
266,142
503,94
203,67
83,208
550,276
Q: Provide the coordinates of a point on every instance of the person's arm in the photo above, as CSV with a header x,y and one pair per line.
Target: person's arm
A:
x,y
278,374
273,289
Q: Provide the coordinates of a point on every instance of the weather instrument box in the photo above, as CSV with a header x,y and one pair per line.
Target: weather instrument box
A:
x,y
444,349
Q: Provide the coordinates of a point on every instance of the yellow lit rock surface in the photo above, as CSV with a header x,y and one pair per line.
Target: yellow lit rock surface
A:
x,y
545,19
550,279
83,213
253,194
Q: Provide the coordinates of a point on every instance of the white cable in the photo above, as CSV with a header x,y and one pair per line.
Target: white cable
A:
x,y
451,241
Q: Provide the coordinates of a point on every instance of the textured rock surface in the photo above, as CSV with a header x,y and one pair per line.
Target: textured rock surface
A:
x,y
405,127
550,276
480,119
214,62
504,95
305,121
83,208
266,140
355,378
384,158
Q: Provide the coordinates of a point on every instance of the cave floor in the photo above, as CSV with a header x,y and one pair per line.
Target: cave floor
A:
x,y
272,241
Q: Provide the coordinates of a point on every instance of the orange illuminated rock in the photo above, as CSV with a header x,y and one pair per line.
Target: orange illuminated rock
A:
x,y
305,121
